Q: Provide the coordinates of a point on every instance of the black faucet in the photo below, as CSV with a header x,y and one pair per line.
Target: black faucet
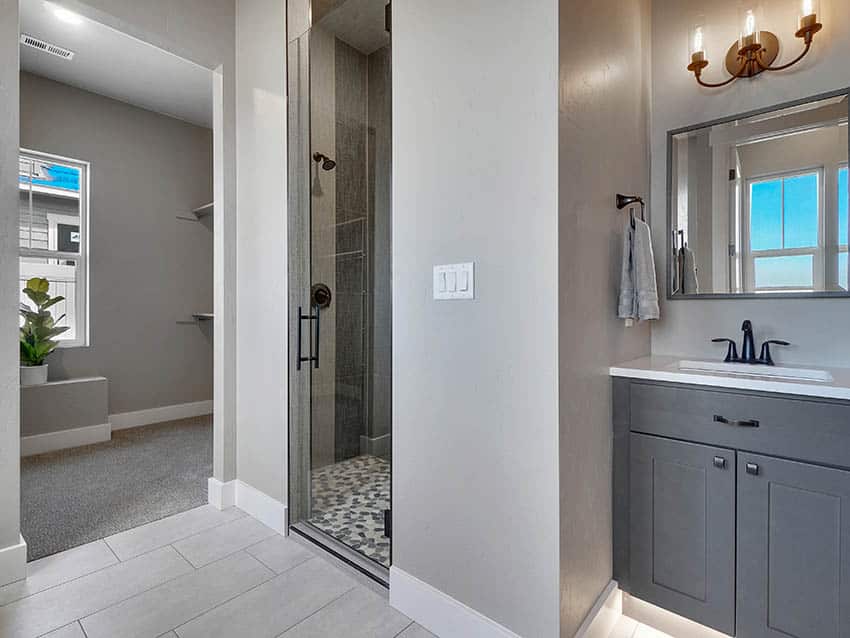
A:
x,y
748,349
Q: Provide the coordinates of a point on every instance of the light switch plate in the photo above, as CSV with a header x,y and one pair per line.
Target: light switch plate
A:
x,y
454,281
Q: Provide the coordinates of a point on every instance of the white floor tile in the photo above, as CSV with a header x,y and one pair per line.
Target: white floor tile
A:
x,y
143,539
59,568
270,609
218,542
625,628
358,614
56,607
68,631
644,631
160,609
416,631
280,553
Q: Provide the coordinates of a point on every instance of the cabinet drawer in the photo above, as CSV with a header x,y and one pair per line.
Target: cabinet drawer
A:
x,y
796,428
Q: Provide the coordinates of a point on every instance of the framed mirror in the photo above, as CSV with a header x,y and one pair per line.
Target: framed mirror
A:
x,y
758,203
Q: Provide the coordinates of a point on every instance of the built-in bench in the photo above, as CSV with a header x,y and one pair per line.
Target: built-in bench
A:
x,y
64,414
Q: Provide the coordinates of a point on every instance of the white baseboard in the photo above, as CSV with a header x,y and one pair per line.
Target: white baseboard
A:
x,y
221,495
136,419
13,562
64,439
438,612
270,512
604,615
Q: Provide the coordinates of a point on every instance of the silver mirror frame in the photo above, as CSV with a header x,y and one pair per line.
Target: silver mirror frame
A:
x,y
669,206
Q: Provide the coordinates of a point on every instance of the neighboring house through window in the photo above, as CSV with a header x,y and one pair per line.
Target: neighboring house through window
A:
x,y
53,212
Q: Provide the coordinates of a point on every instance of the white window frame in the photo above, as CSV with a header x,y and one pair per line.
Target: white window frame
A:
x,y
81,300
817,251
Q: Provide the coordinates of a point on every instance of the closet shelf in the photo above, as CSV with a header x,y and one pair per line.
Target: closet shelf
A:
x,y
203,211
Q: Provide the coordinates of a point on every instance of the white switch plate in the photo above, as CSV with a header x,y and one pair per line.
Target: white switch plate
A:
x,y
454,281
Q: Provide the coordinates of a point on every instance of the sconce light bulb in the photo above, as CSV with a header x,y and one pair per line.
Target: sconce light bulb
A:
x,y
750,26
698,40
808,7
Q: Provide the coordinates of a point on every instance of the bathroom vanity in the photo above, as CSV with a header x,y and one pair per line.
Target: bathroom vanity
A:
x,y
732,496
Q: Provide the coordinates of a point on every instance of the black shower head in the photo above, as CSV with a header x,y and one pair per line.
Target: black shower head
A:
x,y
327,163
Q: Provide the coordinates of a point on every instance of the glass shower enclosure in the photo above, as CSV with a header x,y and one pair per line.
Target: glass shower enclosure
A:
x,y
339,141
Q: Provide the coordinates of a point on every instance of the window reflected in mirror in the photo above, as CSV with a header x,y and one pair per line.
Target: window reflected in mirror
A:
x,y
759,205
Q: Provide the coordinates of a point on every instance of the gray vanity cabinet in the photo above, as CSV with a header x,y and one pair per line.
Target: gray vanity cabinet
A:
x,y
732,508
793,549
683,528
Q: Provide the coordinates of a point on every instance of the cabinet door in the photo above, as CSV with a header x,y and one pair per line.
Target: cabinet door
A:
x,y
793,549
683,529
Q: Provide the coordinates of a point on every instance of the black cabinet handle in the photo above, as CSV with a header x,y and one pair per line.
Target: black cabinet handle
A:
x,y
719,462
751,423
752,468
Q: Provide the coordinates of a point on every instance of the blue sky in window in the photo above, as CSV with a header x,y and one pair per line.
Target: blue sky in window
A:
x,y
55,176
801,211
766,215
842,207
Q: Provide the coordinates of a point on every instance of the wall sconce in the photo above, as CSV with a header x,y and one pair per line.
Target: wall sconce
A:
x,y
755,50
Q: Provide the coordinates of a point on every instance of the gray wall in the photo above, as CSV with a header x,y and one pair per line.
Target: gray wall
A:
x,y
9,349
475,405
603,150
816,327
149,271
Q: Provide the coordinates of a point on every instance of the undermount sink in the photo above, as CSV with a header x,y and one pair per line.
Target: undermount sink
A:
x,y
745,369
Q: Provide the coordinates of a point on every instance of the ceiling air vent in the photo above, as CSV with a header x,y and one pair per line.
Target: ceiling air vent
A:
x,y
41,45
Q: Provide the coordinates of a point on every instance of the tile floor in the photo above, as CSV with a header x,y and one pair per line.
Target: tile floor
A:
x,y
349,499
629,628
201,573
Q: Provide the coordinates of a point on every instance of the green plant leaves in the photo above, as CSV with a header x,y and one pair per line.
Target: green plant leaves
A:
x,y
39,329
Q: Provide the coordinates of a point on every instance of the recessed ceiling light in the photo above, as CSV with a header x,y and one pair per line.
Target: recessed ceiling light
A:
x,y
67,16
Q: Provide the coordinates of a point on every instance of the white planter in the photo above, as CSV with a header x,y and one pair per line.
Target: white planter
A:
x,y
33,375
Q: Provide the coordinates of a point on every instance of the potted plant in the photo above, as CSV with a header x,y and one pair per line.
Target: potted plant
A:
x,y
38,330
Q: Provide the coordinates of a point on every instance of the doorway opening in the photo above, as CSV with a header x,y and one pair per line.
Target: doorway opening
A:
x,y
116,249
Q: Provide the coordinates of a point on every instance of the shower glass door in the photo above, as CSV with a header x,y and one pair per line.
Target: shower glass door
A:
x,y
341,396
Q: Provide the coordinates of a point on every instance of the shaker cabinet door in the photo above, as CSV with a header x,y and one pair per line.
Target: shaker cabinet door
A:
x,y
793,549
683,529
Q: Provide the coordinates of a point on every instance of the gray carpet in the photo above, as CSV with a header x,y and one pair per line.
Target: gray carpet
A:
x,y
76,496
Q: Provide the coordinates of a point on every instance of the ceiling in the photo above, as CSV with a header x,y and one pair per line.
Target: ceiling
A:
x,y
358,23
116,65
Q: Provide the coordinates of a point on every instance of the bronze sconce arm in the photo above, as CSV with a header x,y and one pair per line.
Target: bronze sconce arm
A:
x,y
755,56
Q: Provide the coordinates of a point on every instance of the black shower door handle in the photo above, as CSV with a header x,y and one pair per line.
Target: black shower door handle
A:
x,y
299,358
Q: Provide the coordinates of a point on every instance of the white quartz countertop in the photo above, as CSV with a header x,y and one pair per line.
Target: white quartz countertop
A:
x,y
658,368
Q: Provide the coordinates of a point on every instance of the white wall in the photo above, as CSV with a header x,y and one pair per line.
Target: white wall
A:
x,y
9,349
475,405
817,328
262,363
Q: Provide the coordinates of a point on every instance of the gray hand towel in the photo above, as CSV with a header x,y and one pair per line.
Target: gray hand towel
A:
x,y
689,279
638,288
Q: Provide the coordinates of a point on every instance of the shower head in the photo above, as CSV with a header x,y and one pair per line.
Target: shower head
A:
x,y
327,163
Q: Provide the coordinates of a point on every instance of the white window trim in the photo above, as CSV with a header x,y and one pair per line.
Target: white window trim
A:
x,y
817,252
81,307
